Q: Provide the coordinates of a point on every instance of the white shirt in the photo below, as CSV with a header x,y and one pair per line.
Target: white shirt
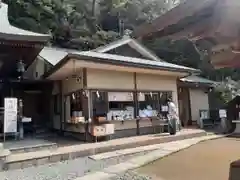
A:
x,y
172,110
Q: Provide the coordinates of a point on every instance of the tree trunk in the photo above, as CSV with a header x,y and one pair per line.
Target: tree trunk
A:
x,y
93,7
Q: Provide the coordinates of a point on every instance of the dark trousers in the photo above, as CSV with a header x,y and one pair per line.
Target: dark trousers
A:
x,y
172,126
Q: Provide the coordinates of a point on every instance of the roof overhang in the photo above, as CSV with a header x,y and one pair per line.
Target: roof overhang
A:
x,y
196,81
11,33
175,16
114,62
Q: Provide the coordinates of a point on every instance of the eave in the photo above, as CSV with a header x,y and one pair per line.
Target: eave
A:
x,y
176,16
11,33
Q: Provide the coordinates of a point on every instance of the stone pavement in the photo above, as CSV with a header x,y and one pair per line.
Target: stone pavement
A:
x,y
165,149
79,167
24,160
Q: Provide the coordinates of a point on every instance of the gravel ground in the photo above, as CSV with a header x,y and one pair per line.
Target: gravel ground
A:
x,y
66,170
131,175
208,160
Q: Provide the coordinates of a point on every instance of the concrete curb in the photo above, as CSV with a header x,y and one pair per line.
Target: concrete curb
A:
x,y
137,162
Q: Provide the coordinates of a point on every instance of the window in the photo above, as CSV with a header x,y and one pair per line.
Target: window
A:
x,y
73,108
148,104
121,106
76,104
99,103
151,104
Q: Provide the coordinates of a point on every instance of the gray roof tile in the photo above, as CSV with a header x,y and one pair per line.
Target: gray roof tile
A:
x,y
197,79
133,60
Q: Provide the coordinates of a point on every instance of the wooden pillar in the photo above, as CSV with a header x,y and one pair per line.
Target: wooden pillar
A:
x,y
62,102
85,98
86,102
135,97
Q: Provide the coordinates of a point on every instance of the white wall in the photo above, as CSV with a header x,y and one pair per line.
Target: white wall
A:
x,y
198,101
124,80
158,83
97,79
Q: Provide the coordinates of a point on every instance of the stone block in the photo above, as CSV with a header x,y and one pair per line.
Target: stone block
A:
x,y
96,176
122,167
28,163
150,157
14,165
234,172
54,158
65,157
42,161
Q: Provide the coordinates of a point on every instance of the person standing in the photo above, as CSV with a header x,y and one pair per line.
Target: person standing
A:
x,y
173,118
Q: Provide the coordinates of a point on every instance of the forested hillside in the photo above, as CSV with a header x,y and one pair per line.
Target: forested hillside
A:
x,y
87,24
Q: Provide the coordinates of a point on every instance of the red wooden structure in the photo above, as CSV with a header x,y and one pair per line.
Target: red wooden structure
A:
x,y
215,20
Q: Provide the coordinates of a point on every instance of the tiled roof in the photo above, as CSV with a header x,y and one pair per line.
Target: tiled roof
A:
x,y
131,60
133,44
53,55
9,32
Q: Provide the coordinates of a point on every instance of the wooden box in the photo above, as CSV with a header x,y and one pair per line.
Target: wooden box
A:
x,y
97,131
101,119
109,129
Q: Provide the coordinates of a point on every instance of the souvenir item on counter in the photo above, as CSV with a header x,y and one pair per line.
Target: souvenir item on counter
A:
x,y
142,114
164,108
148,112
149,107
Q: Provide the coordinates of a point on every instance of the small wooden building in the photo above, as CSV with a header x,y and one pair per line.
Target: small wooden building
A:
x,y
118,82
193,96
18,45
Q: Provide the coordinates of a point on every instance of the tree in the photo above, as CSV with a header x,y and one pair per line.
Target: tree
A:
x,y
82,24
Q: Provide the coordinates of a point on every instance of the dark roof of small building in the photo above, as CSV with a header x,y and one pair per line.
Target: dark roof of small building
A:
x,y
197,79
9,32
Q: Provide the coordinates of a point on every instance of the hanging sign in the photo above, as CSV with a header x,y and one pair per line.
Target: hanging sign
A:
x,y
120,96
10,115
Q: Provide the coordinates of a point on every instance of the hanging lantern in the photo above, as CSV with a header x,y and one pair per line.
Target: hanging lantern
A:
x,y
151,94
98,95
73,96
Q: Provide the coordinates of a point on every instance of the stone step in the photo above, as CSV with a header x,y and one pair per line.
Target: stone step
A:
x,y
24,160
124,152
33,148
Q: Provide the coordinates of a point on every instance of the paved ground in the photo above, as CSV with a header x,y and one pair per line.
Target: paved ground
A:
x,y
71,169
67,170
208,160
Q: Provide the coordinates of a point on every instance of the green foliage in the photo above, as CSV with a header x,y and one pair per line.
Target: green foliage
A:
x,y
82,24
87,24
228,89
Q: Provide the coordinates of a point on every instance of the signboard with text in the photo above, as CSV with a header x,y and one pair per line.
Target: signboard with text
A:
x,y
10,115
